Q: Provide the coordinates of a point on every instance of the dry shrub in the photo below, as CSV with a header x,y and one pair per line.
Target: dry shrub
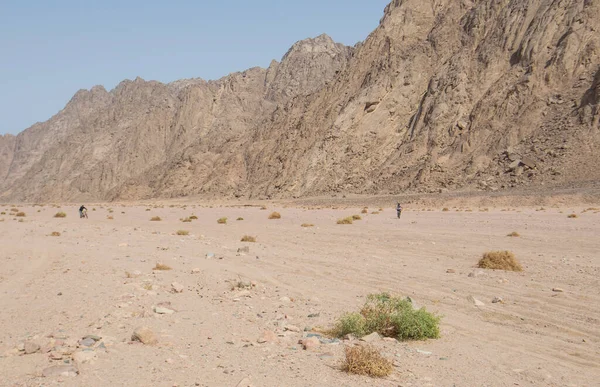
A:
x,y
381,210
248,238
356,217
162,267
20,214
347,220
183,232
147,209
60,215
186,220
572,216
308,225
155,219
2,213
55,233
366,360
275,215
222,220
194,217
514,234
263,207
240,218
365,211
445,209
14,210
499,260
110,217
375,213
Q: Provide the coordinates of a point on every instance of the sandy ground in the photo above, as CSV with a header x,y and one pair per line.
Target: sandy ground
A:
x,y
56,290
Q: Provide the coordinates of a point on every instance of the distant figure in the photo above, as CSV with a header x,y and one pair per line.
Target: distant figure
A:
x,y
399,210
82,212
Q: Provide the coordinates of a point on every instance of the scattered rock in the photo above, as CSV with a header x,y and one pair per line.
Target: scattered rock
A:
x,y
326,355
55,355
475,301
267,337
144,335
371,338
210,255
60,370
177,287
558,290
83,357
285,299
292,328
528,162
426,353
314,315
163,310
87,342
196,270
497,300
450,271
31,347
93,337
310,343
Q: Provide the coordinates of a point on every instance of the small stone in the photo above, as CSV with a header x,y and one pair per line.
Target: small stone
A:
x,y
314,315
177,287
93,337
558,290
163,310
292,328
310,343
196,270
87,342
60,370
475,301
285,299
210,255
450,271
31,347
56,355
426,353
371,338
497,300
267,337
144,335
83,357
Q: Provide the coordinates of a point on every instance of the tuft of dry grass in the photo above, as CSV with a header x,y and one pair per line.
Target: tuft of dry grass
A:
x,y
55,233
155,219
222,220
275,215
60,215
183,232
14,210
348,220
193,217
308,225
263,207
248,238
499,260
366,360
110,217
186,220
445,209
375,213
20,214
162,267
356,217
514,234
572,216
240,218
2,213
365,211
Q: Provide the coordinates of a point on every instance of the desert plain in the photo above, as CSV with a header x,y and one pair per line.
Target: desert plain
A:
x,y
232,313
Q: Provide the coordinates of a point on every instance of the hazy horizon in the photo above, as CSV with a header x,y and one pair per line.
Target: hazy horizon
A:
x,y
56,50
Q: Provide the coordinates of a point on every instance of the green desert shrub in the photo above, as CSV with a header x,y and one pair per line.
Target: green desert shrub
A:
x,y
390,317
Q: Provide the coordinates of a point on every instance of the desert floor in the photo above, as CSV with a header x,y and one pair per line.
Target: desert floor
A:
x,y
97,278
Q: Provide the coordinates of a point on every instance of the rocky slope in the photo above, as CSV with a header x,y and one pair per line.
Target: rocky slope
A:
x,y
442,95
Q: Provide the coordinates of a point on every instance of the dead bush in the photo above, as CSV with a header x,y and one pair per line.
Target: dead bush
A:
x,y
55,233
275,215
60,215
514,234
365,211
20,214
499,260
308,225
572,216
155,219
347,220
183,232
366,360
248,238
162,267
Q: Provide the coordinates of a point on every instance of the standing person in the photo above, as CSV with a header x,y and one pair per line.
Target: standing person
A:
x,y
82,212
398,210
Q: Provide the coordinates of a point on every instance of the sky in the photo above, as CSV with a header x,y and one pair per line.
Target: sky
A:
x,y
51,49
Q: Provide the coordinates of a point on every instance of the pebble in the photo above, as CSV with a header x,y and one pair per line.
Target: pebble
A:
x,y
210,255
162,310
292,328
285,299
558,290
60,370
427,353
87,342
497,300
371,338
93,337
31,347
177,287
475,301
196,270
310,343
83,357
144,335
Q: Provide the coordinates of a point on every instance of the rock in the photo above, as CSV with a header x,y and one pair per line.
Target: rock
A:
x,y
426,353
196,270
83,357
267,337
87,342
528,162
292,328
31,347
245,250
497,300
210,255
478,273
310,343
326,355
93,337
450,271
349,337
285,299
177,287
371,338
144,335
163,310
314,315
557,290
475,301
55,355
60,370
135,274
514,165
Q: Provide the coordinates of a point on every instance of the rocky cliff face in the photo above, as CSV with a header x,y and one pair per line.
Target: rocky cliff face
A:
x,y
442,95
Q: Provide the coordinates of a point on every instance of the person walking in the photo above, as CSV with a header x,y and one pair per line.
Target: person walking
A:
x,y
82,212
398,210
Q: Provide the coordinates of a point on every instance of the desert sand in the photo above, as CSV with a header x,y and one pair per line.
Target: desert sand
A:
x,y
97,278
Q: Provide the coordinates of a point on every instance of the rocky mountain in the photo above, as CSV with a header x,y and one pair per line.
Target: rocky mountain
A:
x,y
443,95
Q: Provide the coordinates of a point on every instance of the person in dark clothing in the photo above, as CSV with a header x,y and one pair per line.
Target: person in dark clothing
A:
x,y
82,212
399,210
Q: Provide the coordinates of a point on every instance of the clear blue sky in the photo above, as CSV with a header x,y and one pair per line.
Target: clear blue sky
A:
x,y
51,49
